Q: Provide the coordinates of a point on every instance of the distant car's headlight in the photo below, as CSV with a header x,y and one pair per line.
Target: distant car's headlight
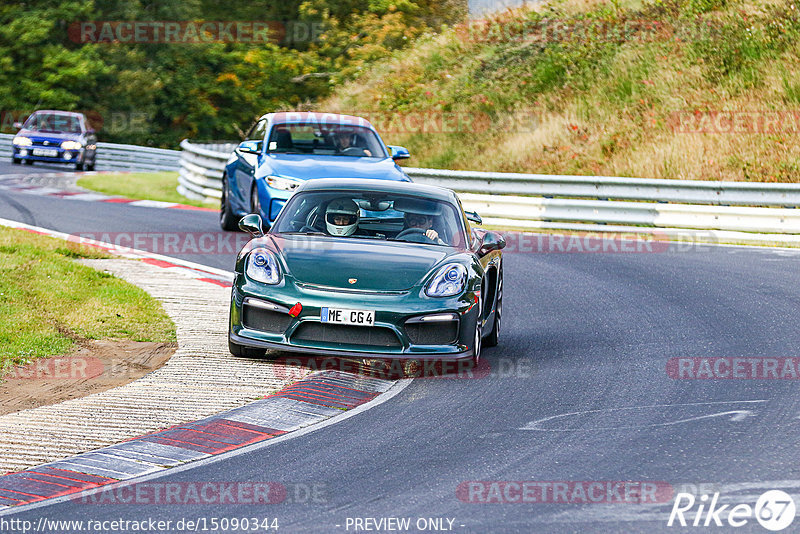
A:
x,y
262,267
22,141
284,184
448,281
71,145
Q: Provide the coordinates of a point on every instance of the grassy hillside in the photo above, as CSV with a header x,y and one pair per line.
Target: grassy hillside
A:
x,y
689,89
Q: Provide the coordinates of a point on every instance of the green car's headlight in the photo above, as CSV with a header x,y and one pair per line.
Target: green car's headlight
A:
x,y
71,145
262,267
284,184
448,281
22,141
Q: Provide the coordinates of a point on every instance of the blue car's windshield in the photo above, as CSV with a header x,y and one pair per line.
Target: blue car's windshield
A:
x,y
53,123
325,140
373,215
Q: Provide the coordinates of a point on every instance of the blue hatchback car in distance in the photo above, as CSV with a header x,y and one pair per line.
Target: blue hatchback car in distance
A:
x,y
282,150
55,137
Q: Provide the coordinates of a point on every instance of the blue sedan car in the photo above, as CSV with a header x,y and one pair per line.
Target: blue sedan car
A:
x,y
55,137
282,150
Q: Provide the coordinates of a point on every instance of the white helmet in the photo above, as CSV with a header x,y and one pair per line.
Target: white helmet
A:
x,y
345,211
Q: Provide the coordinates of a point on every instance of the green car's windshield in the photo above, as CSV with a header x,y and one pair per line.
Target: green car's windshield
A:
x,y
373,215
325,140
53,123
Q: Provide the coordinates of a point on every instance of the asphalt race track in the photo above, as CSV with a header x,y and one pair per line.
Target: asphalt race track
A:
x,y
579,392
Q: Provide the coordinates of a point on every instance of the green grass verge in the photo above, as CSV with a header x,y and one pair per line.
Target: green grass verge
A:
x,y
141,186
48,302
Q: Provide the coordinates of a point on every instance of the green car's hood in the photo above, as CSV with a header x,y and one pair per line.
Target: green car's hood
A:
x,y
376,265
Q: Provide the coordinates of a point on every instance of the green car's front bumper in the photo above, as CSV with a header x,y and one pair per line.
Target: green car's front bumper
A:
x,y
260,318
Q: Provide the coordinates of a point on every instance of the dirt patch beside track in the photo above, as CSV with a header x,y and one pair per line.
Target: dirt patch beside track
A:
x,y
93,367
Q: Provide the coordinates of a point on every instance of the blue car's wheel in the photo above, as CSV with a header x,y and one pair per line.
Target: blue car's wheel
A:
x,y
227,219
15,161
255,202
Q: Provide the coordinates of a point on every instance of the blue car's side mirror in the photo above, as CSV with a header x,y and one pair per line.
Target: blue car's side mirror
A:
x,y
399,152
250,147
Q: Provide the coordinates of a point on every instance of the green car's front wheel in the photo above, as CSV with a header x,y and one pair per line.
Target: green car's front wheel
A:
x,y
476,347
494,336
244,352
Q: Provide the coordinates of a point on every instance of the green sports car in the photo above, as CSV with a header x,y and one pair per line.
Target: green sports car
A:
x,y
368,269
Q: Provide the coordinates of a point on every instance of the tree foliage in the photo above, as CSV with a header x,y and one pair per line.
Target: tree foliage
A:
x,y
157,93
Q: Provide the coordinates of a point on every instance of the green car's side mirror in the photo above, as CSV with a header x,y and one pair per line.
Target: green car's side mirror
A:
x,y
251,223
491,241
473,217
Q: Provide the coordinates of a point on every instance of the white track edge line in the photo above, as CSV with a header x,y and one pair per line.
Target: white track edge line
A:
x,y
394,390
143,253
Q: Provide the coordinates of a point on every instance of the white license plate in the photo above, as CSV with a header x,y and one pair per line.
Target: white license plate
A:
x,y
47,152
340,316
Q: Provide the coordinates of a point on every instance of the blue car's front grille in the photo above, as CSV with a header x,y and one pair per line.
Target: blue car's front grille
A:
x,y
46,143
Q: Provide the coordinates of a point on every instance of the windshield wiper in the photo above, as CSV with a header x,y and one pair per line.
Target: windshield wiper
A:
x,y
304,233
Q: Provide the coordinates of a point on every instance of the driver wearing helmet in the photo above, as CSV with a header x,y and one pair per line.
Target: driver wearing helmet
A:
x,y
341,217
423,222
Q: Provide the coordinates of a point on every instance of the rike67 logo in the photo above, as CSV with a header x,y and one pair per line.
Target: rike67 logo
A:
x,y
774,510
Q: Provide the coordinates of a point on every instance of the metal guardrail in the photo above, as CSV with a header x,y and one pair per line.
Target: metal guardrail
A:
x,y
117,157
749,212
201,166
602,187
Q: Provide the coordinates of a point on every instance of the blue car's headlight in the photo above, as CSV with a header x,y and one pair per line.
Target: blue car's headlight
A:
x,y
262,267
22,141
284,184
71,145
448,281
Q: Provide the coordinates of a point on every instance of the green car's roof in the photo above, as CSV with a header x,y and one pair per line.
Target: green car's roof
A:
x,y
383,186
